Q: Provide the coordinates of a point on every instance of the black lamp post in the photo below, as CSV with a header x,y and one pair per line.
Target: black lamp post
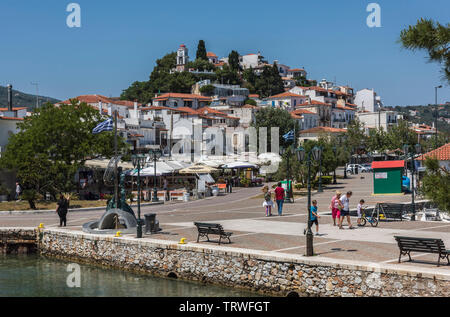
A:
x,y
155,155
288,152
138,162
316,154
417,150
320,189
436,118
334,173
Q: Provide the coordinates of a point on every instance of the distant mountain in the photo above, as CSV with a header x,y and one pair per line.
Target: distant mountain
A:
x,y
21,99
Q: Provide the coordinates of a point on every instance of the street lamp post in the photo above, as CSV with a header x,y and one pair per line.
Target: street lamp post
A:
x,y
417,150
138,162
288,152
436,118
334,173
320,189
155,155
316,154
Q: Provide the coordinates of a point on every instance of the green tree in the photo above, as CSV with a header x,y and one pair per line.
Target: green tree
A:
x,y
250,102
377,141
430,36
207,90
233,61
275,118
355,136
269,83
436,184
53,144
227,75
201,51
399,135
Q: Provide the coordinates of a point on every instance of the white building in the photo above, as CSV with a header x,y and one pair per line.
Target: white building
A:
x,y
287,100
306,119
182,58
296,72
251,60
368,100
175,100
375,120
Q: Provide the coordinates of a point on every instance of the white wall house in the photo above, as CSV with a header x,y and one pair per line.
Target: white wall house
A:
x,y
251,60
306,119
286,100
368,100
175,100
374,120
296,72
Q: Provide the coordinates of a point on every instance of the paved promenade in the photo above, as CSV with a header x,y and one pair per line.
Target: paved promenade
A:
x,y
242,213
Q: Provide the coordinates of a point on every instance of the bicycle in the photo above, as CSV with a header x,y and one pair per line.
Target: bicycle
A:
x,y
370,219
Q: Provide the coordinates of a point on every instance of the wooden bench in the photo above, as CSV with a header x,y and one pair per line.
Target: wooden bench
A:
x,y
205,229
390,211
424,245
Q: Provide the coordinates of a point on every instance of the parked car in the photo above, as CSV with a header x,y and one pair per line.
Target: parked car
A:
x,y
361,168
368,167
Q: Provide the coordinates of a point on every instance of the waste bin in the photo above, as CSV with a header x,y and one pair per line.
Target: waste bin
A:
x,y
151,224
186,197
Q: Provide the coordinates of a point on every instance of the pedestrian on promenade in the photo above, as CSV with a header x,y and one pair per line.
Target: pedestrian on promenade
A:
x,y
359,210
18,191
336,207
279,197
314,217
345,212
268,203
63,208
229,185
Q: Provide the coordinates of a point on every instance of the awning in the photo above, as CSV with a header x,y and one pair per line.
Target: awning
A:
x,y
238,165
198,169
103,163
207,178
161,169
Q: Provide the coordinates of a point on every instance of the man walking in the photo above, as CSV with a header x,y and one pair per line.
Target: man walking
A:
x,y
18,191
279,197
345,200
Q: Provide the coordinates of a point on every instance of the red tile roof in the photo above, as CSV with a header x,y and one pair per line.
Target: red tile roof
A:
x,y
250,106
182,96
296,116
11,118
296,70
387,164
302,111
441,154
187,110
253,96
156,108
211,54
14,109
287,94
314,102
323,129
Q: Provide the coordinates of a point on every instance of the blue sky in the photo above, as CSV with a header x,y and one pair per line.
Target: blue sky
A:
x,y
119,41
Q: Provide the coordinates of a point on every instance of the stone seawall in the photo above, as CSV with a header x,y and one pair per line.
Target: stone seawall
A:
x,y
18,241
259,271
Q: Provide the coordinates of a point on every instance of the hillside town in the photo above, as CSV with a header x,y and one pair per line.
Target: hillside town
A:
x,y
325,107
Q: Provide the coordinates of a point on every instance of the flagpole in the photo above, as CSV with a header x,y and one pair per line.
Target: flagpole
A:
x,y
116,182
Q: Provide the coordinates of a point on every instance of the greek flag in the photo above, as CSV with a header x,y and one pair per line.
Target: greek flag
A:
x,y
289,136
104,126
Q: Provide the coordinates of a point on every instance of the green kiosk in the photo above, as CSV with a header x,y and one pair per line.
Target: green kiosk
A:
x,y
387,177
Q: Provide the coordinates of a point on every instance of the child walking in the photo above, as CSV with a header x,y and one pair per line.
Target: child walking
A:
x,y
360,210
268,203
314,217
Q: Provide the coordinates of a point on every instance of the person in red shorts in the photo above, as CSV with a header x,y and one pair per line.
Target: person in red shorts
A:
x,y
336,207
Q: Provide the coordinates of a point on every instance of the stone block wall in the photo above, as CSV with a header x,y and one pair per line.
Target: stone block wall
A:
x,y
261,272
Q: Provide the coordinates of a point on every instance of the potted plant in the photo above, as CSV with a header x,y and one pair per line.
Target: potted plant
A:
x,y
4,193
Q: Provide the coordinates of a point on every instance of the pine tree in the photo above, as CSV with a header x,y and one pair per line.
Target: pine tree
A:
x,y
201,50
